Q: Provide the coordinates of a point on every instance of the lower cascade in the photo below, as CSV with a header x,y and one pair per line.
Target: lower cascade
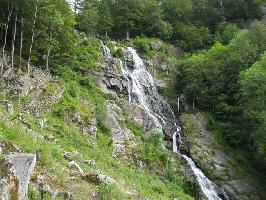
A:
x,y
142,90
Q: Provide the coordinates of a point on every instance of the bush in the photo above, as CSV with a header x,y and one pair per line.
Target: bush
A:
x,y
73,89
142,45
190,38
119,53
226,32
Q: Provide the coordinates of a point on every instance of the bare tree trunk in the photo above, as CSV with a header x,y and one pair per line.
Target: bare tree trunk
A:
x,y
47,59
21,43
14,39
178,105
33,34
222,7
127,35
6,30
193,104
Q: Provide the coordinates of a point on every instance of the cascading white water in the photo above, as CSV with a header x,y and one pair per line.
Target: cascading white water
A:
x,y
142,90
106,52
175,147
209,189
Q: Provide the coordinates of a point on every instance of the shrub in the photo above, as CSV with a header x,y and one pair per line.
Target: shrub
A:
x,y
226,32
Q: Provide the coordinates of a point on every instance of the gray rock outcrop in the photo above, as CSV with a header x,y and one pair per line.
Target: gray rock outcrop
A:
x,y
97,177
73,165
15,174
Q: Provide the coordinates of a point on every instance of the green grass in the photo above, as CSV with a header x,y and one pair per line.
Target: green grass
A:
x,y
53,166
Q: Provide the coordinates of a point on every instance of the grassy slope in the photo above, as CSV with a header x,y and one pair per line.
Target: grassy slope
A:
x,y
52,163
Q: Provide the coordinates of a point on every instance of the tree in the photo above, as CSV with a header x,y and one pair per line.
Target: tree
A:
x,y
14,38
253,92
33,35
189,37
7,18
105,22
177,10
226,32
89,17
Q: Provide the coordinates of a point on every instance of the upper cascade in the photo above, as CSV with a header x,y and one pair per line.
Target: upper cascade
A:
x,y
106,52
143,91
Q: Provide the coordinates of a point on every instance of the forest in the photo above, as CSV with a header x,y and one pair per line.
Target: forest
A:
x,y
221,69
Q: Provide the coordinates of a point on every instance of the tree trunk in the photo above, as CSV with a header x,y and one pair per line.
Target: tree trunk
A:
x,y
32,36
193,104
4,46
47,59
21,43
127,34
14,39
178,105
222,7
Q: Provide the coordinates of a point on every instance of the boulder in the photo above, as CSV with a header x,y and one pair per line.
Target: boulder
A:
x,y
42,123
73,165
10,109
97,177
15,174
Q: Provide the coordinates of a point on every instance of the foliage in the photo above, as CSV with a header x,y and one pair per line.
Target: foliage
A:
x,y
253,92
189,37
225,32
190,24
210,80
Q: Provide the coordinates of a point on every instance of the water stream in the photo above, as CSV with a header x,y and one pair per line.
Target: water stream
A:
x,y
143,91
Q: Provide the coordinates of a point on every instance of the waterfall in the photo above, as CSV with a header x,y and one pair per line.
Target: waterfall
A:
x,y
209,189
142,91
175,147
106,52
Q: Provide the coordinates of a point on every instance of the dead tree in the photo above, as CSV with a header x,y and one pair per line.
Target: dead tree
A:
x,y
10,10
33,35
14,39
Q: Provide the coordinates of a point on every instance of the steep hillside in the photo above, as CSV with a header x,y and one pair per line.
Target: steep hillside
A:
x,y
90,143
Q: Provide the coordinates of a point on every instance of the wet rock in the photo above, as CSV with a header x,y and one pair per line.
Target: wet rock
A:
x,y
15,173
209,156
97,177
74,166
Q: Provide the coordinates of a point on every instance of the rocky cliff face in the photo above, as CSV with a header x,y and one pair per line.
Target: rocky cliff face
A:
x,y
86,142
211,157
